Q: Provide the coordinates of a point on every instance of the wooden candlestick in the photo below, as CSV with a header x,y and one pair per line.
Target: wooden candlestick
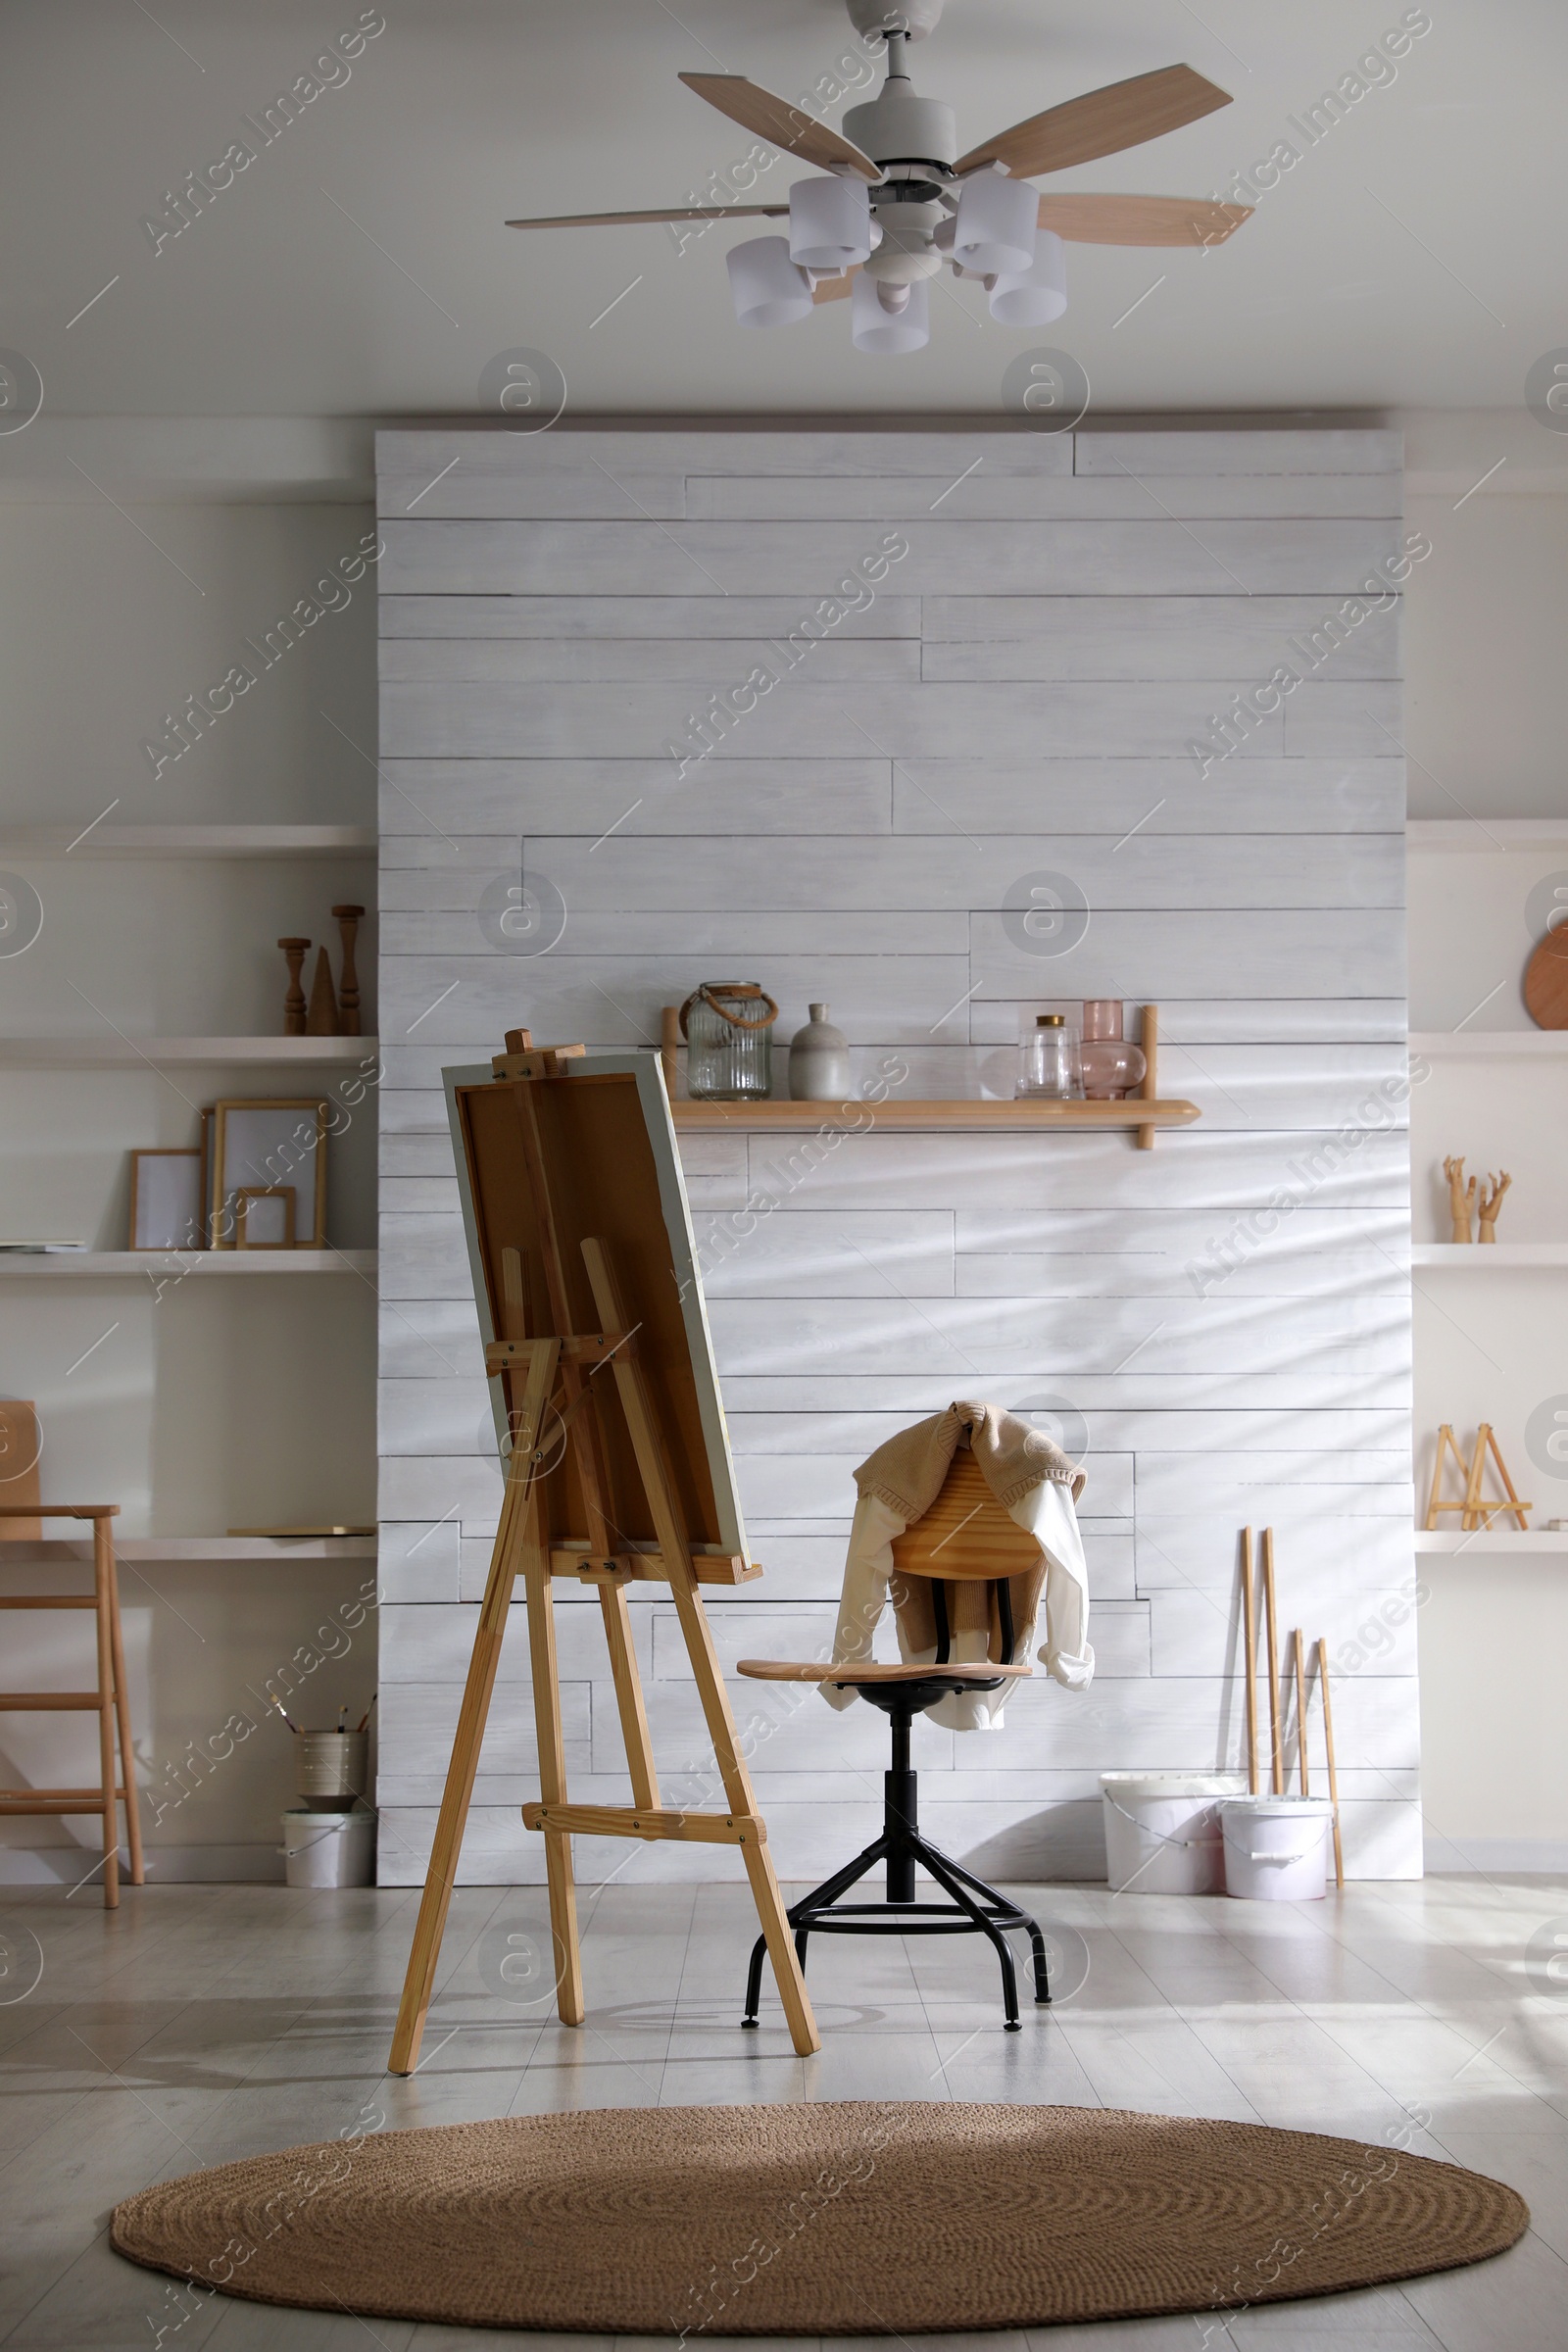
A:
x,y
321,1018
1461,1199
348,1002
1491,1202
294,1000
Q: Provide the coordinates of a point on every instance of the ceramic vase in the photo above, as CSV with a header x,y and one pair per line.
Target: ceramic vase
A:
x,y
819,1060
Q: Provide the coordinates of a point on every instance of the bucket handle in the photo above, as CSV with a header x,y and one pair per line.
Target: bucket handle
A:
x,y
1184,1842
1296,1854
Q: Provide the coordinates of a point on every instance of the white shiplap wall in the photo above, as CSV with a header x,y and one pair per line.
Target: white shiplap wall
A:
x,y
1019,698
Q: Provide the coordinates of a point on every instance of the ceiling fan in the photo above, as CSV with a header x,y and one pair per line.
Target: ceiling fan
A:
x,y
899,202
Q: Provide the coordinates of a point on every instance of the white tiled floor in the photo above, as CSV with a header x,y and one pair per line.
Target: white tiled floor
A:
x,y
200,2024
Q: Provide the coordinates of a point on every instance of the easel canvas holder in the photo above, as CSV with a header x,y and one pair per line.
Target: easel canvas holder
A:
x,y
617,1466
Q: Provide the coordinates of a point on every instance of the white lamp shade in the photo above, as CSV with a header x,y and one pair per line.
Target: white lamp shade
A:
x,y
995,231
768,289
874,327
1033,297
830,222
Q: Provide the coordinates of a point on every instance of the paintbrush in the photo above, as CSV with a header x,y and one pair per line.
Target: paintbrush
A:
x,y
283,1711
366,1717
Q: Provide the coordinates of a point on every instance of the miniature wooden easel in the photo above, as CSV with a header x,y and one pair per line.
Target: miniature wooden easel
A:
x,y
1475,1512
564,1189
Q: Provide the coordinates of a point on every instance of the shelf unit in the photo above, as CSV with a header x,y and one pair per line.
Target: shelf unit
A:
x,y
171,1266
1491,1044
1456,1258
188,841
1542,1543
281,1057
1474,836
214,1550
119,1053
926,1118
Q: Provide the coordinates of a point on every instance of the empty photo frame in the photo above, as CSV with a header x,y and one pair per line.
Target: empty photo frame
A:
x,y
264,1216
166,1200
268,1146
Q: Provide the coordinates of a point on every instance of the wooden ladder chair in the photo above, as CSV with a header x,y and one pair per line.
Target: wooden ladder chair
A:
x,y
974,1558
20,1517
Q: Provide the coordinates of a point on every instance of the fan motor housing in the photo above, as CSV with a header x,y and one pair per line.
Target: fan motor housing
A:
x,y
914,19
897,128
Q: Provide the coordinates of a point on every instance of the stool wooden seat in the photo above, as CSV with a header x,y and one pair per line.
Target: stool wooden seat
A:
x,y
21,1514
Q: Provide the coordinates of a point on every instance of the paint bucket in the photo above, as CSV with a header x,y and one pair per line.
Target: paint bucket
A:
x,y
1162,1831
1277,1847
330,1849
332,1769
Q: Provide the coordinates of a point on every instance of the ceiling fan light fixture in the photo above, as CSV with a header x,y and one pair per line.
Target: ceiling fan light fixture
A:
x,y
1035,296
889,319
994,230
830,224
768,289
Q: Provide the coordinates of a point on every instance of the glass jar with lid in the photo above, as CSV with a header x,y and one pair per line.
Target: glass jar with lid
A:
x,y
1047,1062
728,1028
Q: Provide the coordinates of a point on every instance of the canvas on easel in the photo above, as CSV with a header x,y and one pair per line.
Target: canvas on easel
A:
x,y
617,1461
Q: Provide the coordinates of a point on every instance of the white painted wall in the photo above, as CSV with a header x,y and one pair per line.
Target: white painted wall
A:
x,y
218,1403
1019,698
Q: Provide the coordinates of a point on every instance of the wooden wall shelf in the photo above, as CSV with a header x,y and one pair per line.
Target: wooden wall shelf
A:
x,y
927,1119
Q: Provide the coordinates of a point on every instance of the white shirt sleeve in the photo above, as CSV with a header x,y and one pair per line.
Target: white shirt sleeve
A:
x,y
868,1569
1048,1515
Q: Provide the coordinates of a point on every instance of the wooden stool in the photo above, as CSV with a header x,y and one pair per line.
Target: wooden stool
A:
x,y
109,1700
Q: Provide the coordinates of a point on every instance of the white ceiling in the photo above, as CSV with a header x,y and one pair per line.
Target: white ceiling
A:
x,y
1413,258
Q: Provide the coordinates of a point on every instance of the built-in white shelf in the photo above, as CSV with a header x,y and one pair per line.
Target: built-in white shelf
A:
x,y
172,1266
1542,1541
1474,836
189,841
1491,1044
220,1550
119,1053
1494,1256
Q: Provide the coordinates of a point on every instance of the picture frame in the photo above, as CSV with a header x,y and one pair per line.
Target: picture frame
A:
x,y
267,1143
264,1216
167,1207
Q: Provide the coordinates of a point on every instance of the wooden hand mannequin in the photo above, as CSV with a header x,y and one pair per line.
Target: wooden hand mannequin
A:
x,y
1491,1202
1461,1199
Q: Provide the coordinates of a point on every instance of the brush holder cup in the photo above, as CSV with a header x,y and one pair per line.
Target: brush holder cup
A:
x,y
333,1767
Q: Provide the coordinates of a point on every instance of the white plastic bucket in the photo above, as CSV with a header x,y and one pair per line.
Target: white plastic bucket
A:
x,y
1163,1829
1277,1847
328,1849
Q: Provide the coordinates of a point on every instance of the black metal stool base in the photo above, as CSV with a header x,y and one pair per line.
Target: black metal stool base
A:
x,y
974,1908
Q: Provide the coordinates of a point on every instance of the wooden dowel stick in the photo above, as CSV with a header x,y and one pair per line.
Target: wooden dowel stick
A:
x,y
1149,1091
1249,1644
1300,1711
1276,1754
1328,1736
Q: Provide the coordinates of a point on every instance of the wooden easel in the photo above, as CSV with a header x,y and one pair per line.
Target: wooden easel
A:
x,y
562,1191
1475,1512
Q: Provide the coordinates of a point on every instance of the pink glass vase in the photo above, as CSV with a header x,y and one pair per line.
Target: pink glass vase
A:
x,y
1111,1068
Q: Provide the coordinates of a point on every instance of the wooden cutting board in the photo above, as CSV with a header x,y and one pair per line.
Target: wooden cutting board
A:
x,y
1546,981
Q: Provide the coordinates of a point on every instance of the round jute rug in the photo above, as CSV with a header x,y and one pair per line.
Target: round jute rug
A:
x,y
852,2219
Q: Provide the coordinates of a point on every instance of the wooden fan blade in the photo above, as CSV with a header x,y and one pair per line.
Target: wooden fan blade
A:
x,y
783,125
1124,113
1142,220
673,211
835,290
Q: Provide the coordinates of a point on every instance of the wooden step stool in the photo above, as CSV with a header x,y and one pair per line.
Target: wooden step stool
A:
x,y
20,1517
